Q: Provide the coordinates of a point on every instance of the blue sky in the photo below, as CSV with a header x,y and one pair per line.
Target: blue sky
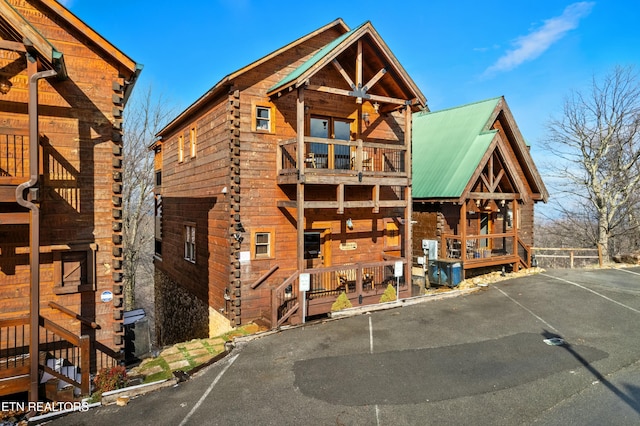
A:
x,y
532,52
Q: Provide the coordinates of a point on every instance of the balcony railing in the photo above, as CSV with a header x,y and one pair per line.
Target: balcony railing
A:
x,y
14,157
342,156
481,249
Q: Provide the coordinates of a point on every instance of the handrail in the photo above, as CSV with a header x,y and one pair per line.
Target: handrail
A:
x,y
82,343
12,322
264,276
278,295
72,314
60,331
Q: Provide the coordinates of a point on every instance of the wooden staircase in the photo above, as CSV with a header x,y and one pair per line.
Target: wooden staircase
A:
x,y
64,358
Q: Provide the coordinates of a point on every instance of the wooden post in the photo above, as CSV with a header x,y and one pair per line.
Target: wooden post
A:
x,y
600,255
463,237
85,359
300,186
571,259
408,237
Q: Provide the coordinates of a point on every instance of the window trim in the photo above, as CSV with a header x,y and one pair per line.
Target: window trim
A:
x,y
388,240
192,141
254,117
272,239
180,148
83,254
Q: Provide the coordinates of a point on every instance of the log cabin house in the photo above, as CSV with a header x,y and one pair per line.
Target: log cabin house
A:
x,y
474,189
292,172
62,92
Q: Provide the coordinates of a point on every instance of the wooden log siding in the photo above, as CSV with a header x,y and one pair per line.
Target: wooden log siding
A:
x,y
246,162
80,158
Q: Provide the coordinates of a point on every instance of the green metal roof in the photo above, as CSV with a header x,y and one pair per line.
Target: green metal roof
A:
x,y
448,146
317,57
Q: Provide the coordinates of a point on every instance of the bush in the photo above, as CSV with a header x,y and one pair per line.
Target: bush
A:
x,y
342,302
389,294
109,379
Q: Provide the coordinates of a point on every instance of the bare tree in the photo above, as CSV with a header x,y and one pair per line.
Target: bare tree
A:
x,y
145,115
596,145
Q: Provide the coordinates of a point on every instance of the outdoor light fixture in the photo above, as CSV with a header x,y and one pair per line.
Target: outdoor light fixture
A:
x,y
349,223
376,107
365,118
5,85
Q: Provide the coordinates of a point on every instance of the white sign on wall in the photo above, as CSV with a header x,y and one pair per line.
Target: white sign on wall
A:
x,y
106,296
305,282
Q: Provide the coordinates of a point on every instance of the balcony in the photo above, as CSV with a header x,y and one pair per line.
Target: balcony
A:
x,y
333,161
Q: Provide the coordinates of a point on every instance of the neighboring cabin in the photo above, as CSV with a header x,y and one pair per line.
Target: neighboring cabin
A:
x,y
295,168
63,89
474,186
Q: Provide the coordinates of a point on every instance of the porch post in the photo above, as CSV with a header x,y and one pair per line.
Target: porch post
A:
x,y
408,211
300,192
300,183
463,233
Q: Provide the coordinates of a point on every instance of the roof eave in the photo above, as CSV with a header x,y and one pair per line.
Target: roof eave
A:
x,y
215,90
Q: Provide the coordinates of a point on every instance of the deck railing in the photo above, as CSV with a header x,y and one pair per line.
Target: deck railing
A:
x,y
477,247
67,356
14,355
342,155
14,156
330,282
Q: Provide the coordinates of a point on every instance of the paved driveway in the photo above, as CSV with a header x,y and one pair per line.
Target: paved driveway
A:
x,y
488,358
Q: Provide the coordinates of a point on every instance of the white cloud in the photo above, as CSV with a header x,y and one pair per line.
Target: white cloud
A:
x,y
534,44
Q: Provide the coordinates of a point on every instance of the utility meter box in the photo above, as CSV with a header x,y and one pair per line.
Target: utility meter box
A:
x,y
430,248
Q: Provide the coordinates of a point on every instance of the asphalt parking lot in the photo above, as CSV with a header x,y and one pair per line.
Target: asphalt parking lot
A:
x,y
558,348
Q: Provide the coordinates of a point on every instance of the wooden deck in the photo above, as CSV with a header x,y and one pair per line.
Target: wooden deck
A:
x,y
486,250
363,283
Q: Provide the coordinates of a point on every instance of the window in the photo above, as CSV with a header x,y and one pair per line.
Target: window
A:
x,y
190,243
391,235
180,148
73,271
263,118
262,241
192,141
330,128
158,225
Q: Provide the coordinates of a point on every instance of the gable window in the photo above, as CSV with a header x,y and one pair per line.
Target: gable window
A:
x,y
263,118
180,148
192,141
190,243
262,244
